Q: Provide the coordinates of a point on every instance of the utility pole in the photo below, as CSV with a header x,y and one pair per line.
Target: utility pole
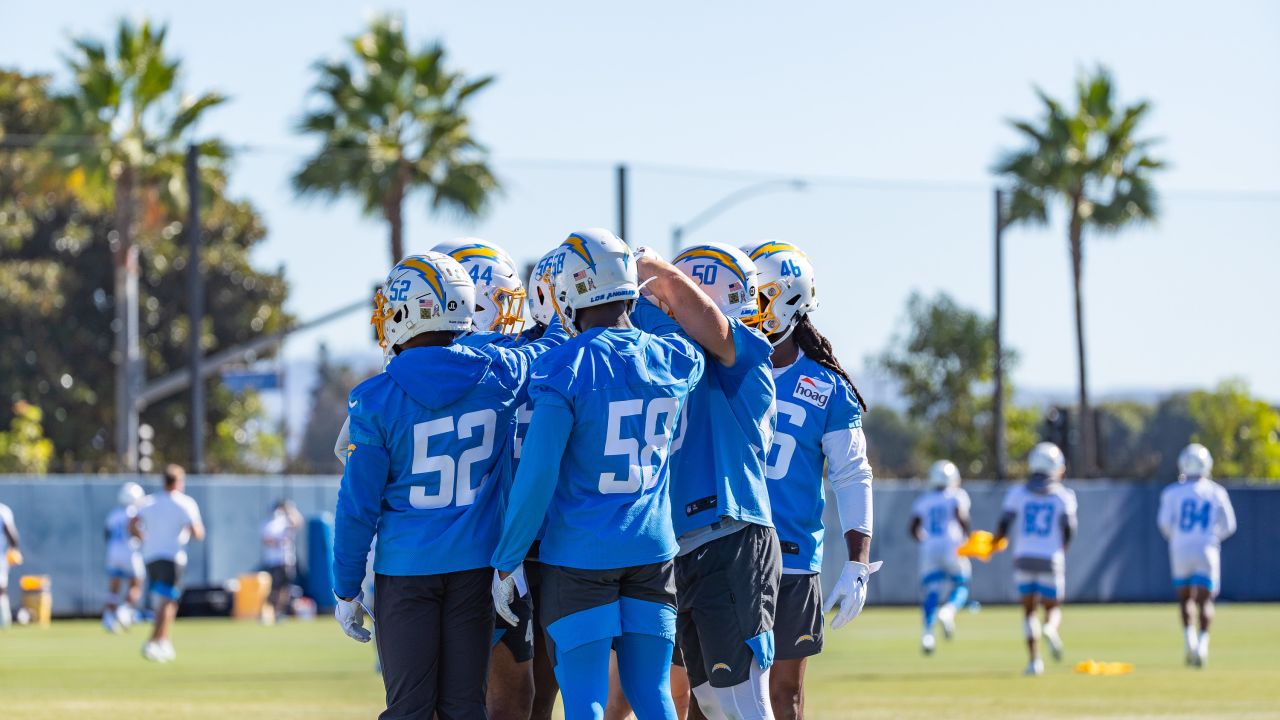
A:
x,y
195,307
622,200
997,404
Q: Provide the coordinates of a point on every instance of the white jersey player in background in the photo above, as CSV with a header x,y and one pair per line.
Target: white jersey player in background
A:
x,y
124,561
9,555
940,523
1040,516
1195,517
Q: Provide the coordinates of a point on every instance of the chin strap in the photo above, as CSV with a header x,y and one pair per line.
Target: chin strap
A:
x,y
783,337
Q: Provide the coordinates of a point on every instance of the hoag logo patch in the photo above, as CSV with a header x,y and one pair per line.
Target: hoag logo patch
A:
x,y
813,391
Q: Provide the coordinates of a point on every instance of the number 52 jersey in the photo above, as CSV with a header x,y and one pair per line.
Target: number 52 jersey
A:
x,y
1041,515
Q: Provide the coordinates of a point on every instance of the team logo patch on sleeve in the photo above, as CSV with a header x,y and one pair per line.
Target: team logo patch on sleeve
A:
x,y
813,391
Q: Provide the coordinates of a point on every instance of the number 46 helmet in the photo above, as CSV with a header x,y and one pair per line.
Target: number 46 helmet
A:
x,y
788,289
499,294
422,293
597,269
727,275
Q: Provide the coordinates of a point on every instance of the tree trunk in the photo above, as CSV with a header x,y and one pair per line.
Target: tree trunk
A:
x,y
1084,455
125,258
393,209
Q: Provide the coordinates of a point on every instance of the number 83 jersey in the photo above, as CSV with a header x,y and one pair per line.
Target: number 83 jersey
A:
x,y
812,403
1040,516
626,390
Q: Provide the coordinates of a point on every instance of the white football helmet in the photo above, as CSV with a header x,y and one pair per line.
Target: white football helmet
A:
x,y
542,286
1195,461
499,294
944,474
1047,459
788,289
727,275
597,269
422,293
130,493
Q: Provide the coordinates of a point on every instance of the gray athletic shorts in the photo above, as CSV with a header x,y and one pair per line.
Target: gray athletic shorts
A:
x,y
564,592
797,629
728,591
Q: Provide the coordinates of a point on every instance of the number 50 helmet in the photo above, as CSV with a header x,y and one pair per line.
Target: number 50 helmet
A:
x,y
422,293
597,269
727,275
788,289
499,294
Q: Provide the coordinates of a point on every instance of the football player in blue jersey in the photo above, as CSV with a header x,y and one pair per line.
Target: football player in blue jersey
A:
x,y
729,565
605,408
428,446
819,425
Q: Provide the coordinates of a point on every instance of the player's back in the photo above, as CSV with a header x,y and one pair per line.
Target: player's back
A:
x,y
166,519
1042,509
937,510
1196,512
443,417
729,425
625,390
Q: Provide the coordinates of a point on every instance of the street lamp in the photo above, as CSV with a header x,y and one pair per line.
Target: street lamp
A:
x,y
734,198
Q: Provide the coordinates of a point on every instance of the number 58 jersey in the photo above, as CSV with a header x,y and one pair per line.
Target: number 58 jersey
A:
x,y
626,390
1041,515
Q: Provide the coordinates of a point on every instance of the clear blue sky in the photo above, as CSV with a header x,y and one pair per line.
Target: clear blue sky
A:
x,y
909,97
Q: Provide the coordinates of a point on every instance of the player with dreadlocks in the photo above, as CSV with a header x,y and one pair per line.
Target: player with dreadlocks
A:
x,y
819,422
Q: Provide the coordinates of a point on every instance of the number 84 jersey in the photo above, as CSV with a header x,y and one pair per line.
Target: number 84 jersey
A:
x,y
1040,515
814,404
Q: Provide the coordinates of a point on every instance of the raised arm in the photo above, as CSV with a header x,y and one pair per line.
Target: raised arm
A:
x,y
691,308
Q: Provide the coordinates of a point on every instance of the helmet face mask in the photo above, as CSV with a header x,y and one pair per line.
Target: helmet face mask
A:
x,y
727,276
788,289
596,268
422,293
499,295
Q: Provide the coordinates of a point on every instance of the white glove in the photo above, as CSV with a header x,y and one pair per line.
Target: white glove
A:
x,y
350,615
850,592
504,593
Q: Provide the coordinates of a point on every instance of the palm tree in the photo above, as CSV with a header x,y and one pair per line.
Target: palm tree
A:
x,y
1091,161
393,121
124,123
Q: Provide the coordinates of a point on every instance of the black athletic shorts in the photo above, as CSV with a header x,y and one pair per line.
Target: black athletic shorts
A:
x,y
281,576
518,639
797,630
728,591
164,577
565,591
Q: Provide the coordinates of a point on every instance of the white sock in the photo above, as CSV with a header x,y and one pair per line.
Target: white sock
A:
x,y
6,617
1052,620
1031,627
1189,637
1204,644
748,700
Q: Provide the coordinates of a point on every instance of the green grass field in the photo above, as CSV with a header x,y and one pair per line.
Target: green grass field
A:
x,y
871,669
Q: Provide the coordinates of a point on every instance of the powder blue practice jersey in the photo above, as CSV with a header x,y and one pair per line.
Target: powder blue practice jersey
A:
x,y
725,433
429,449
812,401
619,394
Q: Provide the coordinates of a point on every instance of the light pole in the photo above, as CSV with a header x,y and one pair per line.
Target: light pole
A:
x,y
734,198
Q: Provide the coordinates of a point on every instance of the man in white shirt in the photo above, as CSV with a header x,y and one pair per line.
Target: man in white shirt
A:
x,y
280,556
165,522
940,523
9,555
1045,515
1195,517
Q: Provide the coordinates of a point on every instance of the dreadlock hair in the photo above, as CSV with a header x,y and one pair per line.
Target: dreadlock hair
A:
x,y
818,348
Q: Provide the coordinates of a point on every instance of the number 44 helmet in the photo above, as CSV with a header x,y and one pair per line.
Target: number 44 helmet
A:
x,y
499,295
597,269
726,275
1195,461
422,293
788,290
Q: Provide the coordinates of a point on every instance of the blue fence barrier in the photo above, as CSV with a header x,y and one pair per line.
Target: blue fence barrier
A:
x,y
1118,555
